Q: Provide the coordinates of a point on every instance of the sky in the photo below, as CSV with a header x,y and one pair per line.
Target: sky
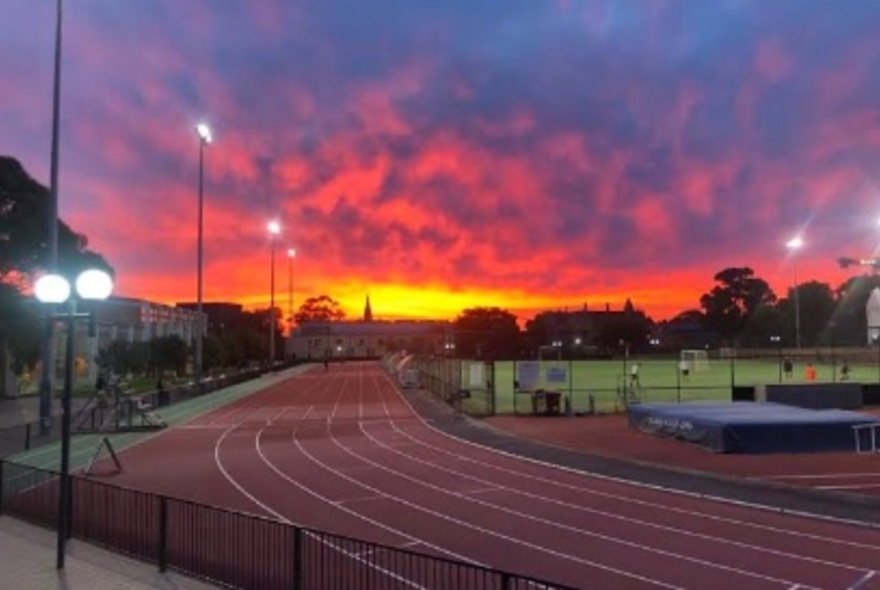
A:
x,y
526,154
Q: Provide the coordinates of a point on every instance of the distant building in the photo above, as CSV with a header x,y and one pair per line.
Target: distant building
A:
x,y
121,318
580,328
366,338
220,316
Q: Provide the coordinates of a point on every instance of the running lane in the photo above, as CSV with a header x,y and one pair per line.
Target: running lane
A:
x,y
344,451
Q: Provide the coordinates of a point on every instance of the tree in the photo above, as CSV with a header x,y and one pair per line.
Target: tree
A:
x,y
24,251
24,233
169,353
319,309
736,296
487,333
816,303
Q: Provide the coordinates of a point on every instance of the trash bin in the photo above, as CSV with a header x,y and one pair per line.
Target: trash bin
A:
x,y
552,402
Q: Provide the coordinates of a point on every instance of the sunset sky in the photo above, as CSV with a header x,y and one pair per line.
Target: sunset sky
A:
x,y
438,155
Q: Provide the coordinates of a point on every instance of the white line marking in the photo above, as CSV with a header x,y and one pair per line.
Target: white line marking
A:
x,y
565,527
652,487
817,476
862,581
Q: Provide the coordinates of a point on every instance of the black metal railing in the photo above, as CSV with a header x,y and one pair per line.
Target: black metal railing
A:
x,y
235,549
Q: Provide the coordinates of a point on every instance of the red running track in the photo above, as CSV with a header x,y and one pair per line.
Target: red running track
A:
x,y
343,451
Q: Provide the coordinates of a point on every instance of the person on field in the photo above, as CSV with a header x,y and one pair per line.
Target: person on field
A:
x,y
810,372
844,371
685,368
634,375
788,367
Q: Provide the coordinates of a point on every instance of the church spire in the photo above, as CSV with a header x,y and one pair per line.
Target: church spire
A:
x,y
368,311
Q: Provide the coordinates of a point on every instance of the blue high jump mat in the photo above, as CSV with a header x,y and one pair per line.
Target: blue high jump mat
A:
x,y
750,427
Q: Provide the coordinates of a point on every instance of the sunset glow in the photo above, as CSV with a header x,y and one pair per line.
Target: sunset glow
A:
x,y
442,155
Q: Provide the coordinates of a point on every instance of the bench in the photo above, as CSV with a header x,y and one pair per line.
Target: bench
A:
x,y
546,402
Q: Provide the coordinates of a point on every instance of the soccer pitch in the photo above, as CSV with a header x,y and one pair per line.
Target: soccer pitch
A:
x,y
659,381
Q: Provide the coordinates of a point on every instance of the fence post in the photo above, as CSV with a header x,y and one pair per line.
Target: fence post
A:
x,y
297,558
506,581
163,534
2,487
68,524
27,436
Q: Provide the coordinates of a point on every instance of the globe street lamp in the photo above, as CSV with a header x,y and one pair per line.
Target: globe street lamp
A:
x,y
291,254
205,138
794,245
274,228
55,289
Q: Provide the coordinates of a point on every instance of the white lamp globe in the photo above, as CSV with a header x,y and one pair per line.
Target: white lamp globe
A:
x,y
94,284
52,289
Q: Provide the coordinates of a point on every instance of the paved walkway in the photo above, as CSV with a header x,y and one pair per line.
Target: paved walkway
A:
x,y
27,561
20,410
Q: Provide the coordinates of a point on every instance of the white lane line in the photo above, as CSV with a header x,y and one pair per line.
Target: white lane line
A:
x,y
480,529
862,581
282,518
661,490
865,486
283,475
592,534
610,515
817,476
361,499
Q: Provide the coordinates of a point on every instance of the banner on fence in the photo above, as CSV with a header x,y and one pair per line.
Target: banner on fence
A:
x,y
556,375
477,379
527,375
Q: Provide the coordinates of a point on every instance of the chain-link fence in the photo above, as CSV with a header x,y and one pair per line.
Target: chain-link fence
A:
x,y
565,386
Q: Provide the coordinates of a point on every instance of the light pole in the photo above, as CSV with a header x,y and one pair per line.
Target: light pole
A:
x,y
291,254
55,289
204,139
48,357
777,340
274,228
794,245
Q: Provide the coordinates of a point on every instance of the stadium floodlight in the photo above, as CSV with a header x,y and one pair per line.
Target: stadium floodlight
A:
x,y
795,243
204,132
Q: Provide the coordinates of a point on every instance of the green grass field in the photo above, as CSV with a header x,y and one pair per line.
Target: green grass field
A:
x,y
602,379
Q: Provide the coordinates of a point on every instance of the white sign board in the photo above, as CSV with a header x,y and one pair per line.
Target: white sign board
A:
x,y
556,375
527,374
477,379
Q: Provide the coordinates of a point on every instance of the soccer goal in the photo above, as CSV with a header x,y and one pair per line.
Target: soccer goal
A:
x,y
698,360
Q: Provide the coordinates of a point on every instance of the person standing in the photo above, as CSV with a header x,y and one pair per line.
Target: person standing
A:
x,y
685,368
634,375
810,372
788,367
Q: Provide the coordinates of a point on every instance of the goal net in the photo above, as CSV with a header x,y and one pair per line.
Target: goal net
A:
x,y
697,360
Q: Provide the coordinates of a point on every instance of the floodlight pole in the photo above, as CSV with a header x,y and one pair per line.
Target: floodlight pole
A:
x,y
797,308
197,369
64,492
48,356
272,303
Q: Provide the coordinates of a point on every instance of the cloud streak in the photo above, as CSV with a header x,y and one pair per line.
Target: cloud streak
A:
x,y
525,154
